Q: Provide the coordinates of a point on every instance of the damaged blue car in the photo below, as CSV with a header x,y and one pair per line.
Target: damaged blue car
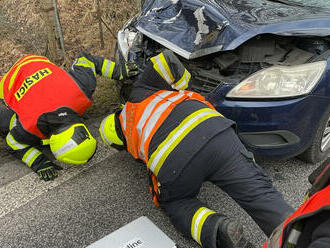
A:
x,y
263,63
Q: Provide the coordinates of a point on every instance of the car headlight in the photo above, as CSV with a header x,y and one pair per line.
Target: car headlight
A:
x,y
280,81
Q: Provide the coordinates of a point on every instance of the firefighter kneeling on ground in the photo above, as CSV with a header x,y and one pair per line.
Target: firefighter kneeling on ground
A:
x,y
184,142
309,226
43,104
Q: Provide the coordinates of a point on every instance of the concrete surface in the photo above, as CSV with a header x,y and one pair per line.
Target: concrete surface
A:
x,y
85,203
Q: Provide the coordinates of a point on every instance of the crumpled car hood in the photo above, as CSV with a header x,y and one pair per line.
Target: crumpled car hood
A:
x,y
194,28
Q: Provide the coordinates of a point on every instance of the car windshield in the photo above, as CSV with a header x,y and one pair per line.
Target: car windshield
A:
x,y
306,3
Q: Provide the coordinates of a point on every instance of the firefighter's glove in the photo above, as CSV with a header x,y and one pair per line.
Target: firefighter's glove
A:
x,y
320,178
48,171
129,69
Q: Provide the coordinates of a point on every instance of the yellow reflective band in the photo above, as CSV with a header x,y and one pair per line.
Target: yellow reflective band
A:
x,y
12,122
197,222
30,156
84,62
107,68
166,67
182,84
12,79
159,156
1,84
16,64
161,66
13,143
21,60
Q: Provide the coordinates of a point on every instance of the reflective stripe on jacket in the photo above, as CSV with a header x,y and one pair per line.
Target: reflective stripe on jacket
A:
x,y
34,86
140,121
286,234
179,78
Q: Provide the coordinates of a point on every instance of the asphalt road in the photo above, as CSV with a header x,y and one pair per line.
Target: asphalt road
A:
x,y
86,203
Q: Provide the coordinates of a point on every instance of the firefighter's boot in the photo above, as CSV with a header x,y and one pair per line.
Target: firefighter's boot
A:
x,y
230,234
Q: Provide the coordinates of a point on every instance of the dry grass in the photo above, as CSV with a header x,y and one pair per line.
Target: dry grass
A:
x,y
23,32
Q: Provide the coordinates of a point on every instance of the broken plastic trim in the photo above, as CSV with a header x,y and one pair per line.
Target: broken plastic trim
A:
x,y
179,50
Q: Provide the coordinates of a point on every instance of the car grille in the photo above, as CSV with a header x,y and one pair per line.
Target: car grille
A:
x,y
204,85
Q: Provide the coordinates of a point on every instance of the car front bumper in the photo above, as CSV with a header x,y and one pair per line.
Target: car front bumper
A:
x,y
274,129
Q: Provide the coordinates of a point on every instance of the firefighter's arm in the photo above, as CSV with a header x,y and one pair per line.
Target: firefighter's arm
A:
x,y
170,68
32,157
105,67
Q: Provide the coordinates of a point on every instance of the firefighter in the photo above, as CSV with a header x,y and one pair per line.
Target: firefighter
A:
x,y
309,226
43,105
184,142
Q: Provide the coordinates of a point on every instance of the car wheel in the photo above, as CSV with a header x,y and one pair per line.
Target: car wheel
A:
x,y
320,147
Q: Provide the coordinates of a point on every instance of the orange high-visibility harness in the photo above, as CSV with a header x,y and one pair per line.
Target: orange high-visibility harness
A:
x,y
140,121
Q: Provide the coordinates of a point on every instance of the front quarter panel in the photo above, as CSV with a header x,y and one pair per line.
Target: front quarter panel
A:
x,y
299,116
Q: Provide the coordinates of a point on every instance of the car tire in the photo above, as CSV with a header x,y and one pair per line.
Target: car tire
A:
x,y
314,153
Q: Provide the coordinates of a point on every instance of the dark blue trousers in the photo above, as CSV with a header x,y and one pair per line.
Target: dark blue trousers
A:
x,y
225,162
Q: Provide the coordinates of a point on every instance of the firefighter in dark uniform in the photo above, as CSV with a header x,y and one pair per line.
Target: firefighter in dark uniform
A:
x,y
184,142
43,104
309,226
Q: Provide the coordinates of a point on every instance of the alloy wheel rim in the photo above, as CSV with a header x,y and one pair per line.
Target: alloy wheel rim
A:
x,y
325,143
